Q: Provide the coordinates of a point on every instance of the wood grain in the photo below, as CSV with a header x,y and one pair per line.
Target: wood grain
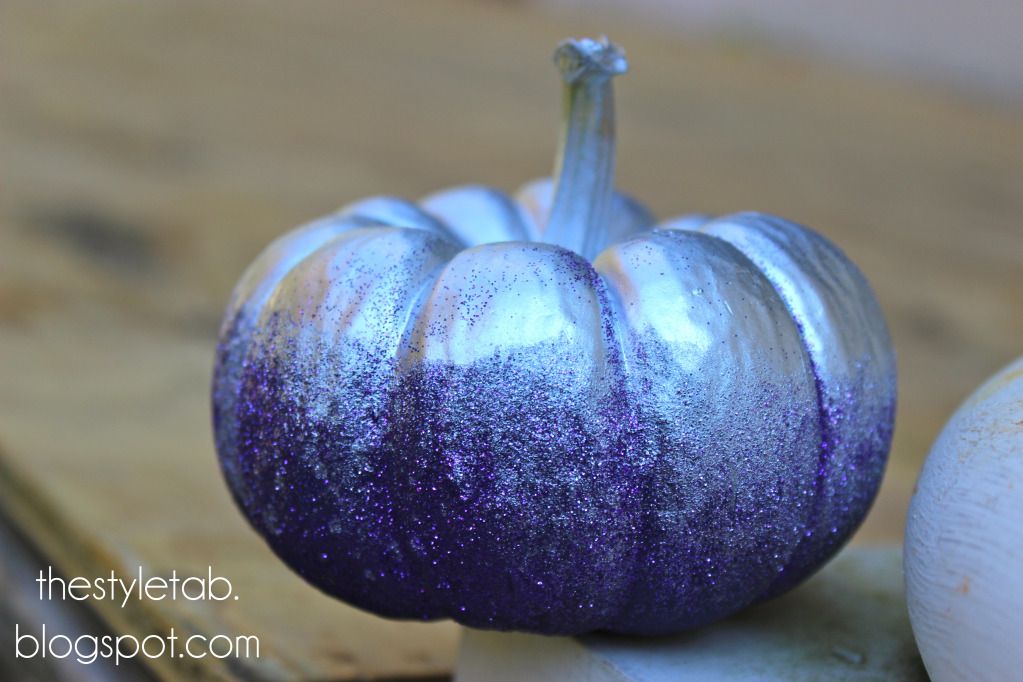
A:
x,y
151,150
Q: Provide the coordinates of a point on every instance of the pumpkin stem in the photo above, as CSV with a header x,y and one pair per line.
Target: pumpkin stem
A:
x,y
584,167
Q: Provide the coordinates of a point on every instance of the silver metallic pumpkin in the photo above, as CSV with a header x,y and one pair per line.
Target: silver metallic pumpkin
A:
x,y
548,413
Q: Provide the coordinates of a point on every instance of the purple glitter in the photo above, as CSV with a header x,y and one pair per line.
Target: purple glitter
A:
x,y
515,438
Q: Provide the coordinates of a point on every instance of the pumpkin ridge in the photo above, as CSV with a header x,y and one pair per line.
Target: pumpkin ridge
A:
x,y
392,211
610,301
707,281
237,331
429,609
446,385
257,281
833,437
361,232
316,390
391,435
478,214
767,590
823,421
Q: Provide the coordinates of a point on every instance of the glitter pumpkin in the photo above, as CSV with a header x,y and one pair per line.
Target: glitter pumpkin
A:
x,y
547,412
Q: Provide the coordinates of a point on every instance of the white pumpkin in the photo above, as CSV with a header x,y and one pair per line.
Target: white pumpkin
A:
x,y
964,540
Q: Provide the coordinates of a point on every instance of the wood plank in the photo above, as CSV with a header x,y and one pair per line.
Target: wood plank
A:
x,y
151,150
22,613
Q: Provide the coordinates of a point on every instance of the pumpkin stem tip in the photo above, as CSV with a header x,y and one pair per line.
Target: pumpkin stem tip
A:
x,y
578,57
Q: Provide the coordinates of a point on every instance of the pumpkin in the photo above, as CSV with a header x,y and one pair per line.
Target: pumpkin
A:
x,y
964,539
545,413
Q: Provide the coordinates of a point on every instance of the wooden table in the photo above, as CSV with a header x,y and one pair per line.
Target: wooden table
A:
x,y
151,150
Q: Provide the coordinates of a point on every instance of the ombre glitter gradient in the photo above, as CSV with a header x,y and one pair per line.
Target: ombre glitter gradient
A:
x,y
429,414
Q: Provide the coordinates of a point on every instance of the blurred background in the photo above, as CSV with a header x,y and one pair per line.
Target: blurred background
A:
x,y
973,47
150,150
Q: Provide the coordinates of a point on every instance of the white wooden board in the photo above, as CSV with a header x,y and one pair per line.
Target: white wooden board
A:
x,y
846,624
